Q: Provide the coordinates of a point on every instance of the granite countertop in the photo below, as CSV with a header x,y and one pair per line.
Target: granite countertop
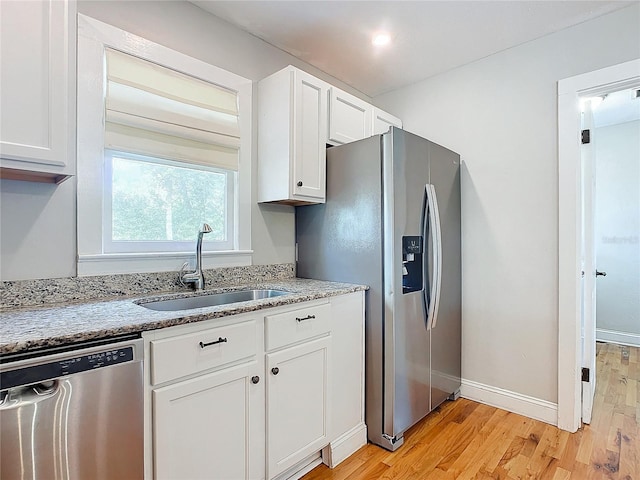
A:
x,y
24,329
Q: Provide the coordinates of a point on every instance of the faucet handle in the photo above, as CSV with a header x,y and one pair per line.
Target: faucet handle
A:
x,y
182,273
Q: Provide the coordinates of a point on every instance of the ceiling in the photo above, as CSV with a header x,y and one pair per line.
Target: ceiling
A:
x,y
617,107
428,37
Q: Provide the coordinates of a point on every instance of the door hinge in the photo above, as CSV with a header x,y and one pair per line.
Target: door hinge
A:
x,y
585,374
585,136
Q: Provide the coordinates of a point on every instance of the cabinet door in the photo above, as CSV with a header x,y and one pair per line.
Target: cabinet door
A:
x,y
298,393
37,74
210,427
382,121
349,117
309,134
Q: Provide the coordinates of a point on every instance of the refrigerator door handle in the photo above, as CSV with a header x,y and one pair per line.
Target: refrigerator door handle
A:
x,y
437,263
430,226
424,224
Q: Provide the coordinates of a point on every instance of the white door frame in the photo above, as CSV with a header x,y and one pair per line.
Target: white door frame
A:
x,y
570,90
588,253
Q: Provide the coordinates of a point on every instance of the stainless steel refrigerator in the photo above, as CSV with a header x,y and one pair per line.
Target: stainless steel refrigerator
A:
x,y
392,221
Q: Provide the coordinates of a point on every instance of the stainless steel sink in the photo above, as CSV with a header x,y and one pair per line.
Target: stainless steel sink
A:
x,y
211,300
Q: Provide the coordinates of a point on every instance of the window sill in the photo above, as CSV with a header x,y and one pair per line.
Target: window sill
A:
x,y
118,263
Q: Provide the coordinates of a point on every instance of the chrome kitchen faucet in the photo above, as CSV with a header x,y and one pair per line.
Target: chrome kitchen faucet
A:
x,y
196,276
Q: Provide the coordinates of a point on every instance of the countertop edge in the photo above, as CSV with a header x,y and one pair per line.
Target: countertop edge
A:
x,y
308,290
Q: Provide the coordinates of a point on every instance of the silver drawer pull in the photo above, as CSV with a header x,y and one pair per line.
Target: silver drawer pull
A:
x,y
220,340
308,317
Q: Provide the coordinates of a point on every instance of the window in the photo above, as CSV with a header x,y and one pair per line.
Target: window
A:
x,y
156,205
171,152
164,144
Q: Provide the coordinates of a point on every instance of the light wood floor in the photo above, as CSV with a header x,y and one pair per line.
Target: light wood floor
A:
x,y
468,440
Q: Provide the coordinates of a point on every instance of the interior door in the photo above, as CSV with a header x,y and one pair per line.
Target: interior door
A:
x,y
588,312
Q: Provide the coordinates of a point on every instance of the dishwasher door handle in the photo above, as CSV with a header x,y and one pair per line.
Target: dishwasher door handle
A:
x,y
17,397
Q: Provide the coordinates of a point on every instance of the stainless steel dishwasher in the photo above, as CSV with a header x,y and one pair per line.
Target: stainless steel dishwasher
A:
x,y
73,413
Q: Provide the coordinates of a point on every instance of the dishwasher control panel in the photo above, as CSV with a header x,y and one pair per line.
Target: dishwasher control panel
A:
x,y
63,367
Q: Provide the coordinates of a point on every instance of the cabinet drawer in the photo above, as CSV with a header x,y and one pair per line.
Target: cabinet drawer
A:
x,y
186,354
297,325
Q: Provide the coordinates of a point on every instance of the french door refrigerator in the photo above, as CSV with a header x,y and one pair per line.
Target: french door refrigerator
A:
x,y
392,221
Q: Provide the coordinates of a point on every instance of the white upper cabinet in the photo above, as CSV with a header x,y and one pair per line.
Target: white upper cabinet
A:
x,y
292,130
37,73
382,121
309,148
298,115
349,117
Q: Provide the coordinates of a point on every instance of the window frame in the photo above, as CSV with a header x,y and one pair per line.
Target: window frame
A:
x,y
93,37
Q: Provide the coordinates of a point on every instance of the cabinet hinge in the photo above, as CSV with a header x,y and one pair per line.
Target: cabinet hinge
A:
x,y
585,136
585,374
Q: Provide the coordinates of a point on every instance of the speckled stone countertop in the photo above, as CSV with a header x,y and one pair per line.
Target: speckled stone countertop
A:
x,y
33,328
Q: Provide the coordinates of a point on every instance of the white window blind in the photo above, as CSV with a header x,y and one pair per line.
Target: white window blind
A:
x,y
153,110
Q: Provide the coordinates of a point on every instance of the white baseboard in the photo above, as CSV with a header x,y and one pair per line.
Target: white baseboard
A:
x,y
345,446
511,401
623,338
301,468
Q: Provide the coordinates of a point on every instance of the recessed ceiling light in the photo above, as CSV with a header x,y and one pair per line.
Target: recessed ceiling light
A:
x,y
380,39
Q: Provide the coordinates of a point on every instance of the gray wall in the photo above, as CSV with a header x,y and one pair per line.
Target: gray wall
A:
x,y
37,223
617,226
37,230
500,114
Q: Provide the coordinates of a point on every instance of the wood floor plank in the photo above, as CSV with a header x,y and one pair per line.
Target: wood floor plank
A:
x,y
629,450
561,474
579,471
569,455
510,457
586,446
465,440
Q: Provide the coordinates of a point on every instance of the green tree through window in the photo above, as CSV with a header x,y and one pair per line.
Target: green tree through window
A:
x,y
161,202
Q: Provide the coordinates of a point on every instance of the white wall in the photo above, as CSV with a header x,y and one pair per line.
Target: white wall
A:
x,y
617,225
500,114
37,225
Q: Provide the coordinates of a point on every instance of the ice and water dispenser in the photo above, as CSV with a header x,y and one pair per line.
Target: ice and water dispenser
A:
x,y
412,251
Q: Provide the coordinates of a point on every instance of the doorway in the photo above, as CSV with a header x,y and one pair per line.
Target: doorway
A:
x,y
617,216
610,181
570,331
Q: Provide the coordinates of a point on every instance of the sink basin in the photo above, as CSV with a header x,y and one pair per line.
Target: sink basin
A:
x,y
211,300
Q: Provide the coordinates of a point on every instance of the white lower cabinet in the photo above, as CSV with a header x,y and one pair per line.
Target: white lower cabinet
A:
x,y
209,427
204,400
298,390
348,430
251,396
